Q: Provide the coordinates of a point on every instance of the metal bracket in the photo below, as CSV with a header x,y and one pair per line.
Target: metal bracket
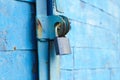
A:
x,y
46,26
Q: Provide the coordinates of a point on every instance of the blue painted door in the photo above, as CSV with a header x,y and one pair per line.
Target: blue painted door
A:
x,y
18,54
94,38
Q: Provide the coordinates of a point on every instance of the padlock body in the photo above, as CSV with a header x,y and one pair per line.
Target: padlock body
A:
x,y
62,46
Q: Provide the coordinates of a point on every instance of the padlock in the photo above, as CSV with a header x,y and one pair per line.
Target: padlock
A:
x,y
62,46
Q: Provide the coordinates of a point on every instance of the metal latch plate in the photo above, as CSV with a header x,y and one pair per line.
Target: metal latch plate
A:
x,y
46,26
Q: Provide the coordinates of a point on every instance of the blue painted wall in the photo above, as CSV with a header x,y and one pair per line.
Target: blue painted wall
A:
x,y
94,38
18,54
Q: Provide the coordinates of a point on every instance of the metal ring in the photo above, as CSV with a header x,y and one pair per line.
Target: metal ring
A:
x,y
62,27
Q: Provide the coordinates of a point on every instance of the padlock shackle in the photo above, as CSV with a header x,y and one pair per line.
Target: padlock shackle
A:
x,y
62,28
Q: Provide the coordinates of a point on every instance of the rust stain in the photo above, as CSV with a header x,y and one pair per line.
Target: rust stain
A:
x,y
39,29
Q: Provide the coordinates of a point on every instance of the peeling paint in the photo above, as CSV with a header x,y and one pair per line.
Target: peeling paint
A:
x,y
39,29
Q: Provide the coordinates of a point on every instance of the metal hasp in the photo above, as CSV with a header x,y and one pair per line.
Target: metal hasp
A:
x,y
56,29
47,31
